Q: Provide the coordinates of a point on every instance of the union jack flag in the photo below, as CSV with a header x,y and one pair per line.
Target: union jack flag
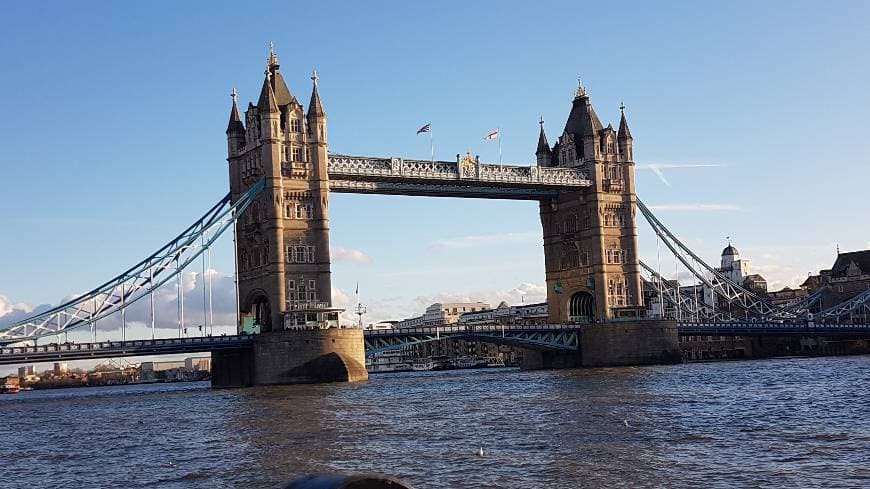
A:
x,y
425,128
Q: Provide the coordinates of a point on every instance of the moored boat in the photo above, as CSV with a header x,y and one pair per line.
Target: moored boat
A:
x,y
493,362
422,365
465,362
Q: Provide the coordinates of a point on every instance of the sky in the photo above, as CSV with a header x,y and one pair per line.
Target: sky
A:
x,y
749,119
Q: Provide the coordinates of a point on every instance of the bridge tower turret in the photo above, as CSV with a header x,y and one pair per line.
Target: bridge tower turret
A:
x,y
235,128
626,142
543,155
590,236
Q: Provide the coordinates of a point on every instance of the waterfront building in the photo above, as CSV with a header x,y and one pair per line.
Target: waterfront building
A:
x,y
148,368
60,369
440,314
505,314
382,326
198,364
848,277
25,371
786,296
737,270
654,306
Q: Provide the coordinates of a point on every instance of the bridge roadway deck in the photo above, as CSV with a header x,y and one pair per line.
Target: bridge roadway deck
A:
x,y
113,349
771,328
542,336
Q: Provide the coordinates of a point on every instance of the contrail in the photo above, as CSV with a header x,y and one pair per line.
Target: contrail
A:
x,y
658,167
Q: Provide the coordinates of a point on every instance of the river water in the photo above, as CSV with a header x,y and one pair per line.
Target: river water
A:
x,y
767,423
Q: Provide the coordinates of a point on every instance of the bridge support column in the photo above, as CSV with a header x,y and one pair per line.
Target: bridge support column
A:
x,y
294,357
621,343
614,344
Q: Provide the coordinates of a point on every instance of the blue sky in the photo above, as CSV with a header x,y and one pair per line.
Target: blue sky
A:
x,y
115,113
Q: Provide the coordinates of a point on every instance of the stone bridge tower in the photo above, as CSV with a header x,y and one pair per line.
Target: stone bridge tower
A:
x,y
282,240
282,246
590,236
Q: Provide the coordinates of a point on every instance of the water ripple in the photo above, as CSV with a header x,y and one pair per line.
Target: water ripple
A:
x,y
776,423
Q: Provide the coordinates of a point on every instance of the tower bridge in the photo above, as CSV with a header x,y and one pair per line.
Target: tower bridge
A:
x,y
280,176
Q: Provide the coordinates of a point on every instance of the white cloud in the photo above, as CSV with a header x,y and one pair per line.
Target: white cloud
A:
x,y
485,240
165,302
8,307
339,254
695,207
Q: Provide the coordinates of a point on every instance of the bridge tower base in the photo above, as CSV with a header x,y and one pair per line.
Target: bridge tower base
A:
x,y
614,344
623,343
294,357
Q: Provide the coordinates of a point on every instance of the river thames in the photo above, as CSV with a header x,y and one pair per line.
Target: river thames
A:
x,y
768,423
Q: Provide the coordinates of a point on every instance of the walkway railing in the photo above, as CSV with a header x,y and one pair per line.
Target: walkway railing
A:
x,y
477,328
737,328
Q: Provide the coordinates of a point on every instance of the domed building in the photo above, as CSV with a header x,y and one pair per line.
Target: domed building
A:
x,y
737,270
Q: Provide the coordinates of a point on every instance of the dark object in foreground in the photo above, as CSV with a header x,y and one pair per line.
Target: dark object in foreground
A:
x,y
373,481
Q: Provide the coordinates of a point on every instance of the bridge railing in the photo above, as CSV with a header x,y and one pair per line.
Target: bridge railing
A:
x,y
765,326
476,328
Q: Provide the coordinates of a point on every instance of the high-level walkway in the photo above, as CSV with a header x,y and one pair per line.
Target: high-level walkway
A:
x,y
462,178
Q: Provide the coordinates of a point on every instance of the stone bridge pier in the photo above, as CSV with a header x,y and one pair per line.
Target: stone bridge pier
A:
x,y
614,344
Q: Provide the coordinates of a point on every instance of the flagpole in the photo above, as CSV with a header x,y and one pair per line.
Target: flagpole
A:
x,y
498,129
431,143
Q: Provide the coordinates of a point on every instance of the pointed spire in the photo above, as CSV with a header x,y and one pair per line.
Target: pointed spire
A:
x,y
582,121
543,145
315,108
235,124
581,90
273,58
279,86
624,133
267,101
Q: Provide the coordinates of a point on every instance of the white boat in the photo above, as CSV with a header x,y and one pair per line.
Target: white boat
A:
x,y
388,362
422,365
390,367
493,362
465,362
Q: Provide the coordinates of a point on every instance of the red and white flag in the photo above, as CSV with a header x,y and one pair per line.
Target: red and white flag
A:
x,y
491,136
425,128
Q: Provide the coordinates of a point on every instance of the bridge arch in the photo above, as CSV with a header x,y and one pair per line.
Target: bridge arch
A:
x,y
581,307
256,310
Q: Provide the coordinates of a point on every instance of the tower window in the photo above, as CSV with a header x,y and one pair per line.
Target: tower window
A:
x,y
297,153
571,224
300,254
